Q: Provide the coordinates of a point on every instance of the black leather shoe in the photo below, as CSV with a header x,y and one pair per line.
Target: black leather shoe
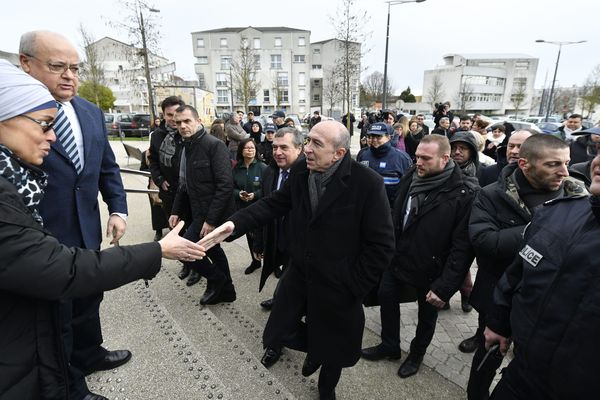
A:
x,y
270,357
158,235
213,291
469,345
185,271
226,296
278,272
193,279
111,360
94,396
267,304
377,353
464,304
252,267
410,366
309,367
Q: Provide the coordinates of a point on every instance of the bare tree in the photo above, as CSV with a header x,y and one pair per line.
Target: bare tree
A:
x,y
349,32
332,88
92,70
142,27
518,98
564,100
435,93
373,86
278,90
590,96
464,96
243,74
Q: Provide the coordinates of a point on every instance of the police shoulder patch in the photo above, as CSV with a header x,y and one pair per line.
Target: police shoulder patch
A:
x,y
530,255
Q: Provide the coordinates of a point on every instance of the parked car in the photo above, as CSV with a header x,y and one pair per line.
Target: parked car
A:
x,y
130,125
110,123
517,125
549,127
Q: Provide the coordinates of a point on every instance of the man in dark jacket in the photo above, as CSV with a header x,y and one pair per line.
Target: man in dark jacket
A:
x,y
384,159
500,214
547,303
508,155
164,156
464,152
421,122
315,119
248,125
265,148
272,244
206,187
571,125
348,121
433,252
443,128
583,148
341,242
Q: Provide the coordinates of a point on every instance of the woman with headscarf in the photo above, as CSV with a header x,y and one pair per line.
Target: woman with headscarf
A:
x,y
35,269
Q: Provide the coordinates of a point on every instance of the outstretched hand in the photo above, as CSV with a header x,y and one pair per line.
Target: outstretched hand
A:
x,y
217,235
174,247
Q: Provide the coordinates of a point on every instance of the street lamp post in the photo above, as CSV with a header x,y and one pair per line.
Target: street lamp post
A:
x,y
146,63
551,96
387,43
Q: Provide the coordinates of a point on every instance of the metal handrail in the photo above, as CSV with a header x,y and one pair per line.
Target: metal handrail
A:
x,y
138,172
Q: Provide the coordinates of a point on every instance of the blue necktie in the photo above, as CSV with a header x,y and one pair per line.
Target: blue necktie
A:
x,y
64,133
284,176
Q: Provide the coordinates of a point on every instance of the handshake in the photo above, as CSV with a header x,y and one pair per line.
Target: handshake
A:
x,y
175,247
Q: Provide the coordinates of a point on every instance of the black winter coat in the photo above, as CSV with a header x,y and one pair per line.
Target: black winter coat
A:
x,y
338,254
433,250
497,221
35,272
161,172
547,300
209,183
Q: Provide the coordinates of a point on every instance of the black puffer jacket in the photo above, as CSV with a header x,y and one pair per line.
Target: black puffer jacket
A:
x,y
208,187
433,251
35,271
552,294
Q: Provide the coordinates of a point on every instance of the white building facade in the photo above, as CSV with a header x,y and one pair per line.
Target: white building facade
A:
x,y
124,74
494,84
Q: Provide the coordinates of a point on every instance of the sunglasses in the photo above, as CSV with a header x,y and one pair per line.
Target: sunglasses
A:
x,y
46,126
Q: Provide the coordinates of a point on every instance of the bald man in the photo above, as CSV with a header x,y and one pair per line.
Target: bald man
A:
x,y
341,239
80,165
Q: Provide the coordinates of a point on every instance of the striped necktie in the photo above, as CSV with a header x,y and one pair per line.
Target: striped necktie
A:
x,y
64,133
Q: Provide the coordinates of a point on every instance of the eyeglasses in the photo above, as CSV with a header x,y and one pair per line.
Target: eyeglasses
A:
x,y
58,67
46,126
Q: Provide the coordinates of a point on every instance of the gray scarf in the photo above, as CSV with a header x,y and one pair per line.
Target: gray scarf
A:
x,y
317,183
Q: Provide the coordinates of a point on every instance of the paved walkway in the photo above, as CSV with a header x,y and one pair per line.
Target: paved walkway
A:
x,y
183,350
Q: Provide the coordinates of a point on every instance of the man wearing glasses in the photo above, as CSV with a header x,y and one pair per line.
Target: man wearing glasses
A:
x,y
421,123
80,165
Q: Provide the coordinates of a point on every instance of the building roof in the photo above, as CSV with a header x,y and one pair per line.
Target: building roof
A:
x,y
258,28
489,56
331,40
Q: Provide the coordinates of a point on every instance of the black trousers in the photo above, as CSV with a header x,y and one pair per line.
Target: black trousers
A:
x,y
520,383
480,381
389,294
215,266
82,339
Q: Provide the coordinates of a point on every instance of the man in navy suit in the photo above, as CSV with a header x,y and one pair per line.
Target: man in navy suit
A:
x,y
70,206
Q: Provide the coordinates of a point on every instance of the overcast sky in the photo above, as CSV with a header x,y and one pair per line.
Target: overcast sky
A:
x,y
420,34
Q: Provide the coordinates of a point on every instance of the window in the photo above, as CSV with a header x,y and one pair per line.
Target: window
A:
x,y
275,61
520,82
200,42
221,79
522,65
225,63
277,42
257,43
285,96
316,51
317,83
222,96
299,58
201,81
244,43
202,60
302,96
223,42
302,79
257,61
265,96
316,66
282,79
316,98
301,41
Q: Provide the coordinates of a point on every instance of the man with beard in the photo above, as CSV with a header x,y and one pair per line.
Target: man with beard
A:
x,y
547,300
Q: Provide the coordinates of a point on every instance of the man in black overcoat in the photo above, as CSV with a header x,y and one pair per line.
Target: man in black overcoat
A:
x,y
340,240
